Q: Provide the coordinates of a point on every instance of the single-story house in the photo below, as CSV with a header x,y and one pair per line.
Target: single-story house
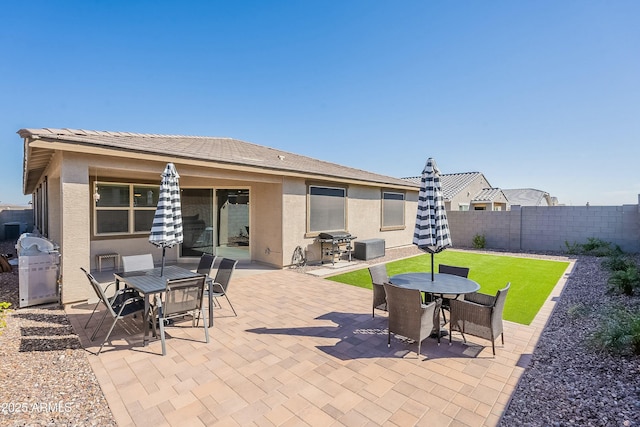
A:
x,y
468,191
490,199
529,197
95,192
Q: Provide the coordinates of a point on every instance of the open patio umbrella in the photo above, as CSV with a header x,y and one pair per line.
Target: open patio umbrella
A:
x,y
166,230
432,228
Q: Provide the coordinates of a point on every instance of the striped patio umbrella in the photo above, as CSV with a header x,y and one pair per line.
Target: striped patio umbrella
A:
x,y
432,228
166,230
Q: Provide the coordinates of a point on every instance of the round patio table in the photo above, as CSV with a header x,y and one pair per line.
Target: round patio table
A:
x,y
441,284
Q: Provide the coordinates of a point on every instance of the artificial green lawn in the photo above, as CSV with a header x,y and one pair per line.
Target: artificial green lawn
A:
x,y
531,279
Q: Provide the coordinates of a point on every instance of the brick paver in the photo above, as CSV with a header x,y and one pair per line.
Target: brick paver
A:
x,y
305,351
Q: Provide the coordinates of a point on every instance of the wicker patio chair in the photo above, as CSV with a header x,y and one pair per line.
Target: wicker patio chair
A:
x,y
182,297
125,302
378,277
457,271
479,315
409,317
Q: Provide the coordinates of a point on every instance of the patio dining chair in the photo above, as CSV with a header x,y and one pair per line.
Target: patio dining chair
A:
x,y
378,277
479,315
182,297
125,302
409,317
206,264
221,281
137,262
456,271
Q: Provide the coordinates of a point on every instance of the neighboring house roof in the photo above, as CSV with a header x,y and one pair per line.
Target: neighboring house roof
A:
x,y
487,195
222,152
527,197
452,183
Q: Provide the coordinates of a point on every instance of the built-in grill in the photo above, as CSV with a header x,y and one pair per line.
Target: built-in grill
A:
x,y
335,244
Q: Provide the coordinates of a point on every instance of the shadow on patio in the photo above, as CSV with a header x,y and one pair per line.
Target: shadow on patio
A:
x,y
359,336
302,351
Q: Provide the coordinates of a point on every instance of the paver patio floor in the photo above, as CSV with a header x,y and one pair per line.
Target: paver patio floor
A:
x,y
305,351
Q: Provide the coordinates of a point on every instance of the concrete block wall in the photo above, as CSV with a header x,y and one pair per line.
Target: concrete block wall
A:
x,y
15,214
547,228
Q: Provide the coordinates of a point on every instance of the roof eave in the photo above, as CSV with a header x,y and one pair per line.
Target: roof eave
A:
x,y
54,143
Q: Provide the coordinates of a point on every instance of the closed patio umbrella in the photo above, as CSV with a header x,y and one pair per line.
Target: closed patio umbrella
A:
x,y
166,230
432,228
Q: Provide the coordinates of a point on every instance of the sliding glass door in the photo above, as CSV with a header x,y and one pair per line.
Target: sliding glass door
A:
x,y
197,222
232,208
215,222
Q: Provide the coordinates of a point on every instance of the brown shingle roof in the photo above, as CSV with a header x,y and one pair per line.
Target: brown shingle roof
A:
x,y
214,149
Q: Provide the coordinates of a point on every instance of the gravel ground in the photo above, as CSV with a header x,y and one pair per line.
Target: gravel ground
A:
x,y
46,379
568,383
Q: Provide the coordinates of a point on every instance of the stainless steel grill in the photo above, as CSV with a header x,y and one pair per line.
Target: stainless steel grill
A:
x,y
335,244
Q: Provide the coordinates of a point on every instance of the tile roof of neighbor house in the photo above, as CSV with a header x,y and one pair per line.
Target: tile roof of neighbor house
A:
x,y
525,196
452,183
487,195
221,151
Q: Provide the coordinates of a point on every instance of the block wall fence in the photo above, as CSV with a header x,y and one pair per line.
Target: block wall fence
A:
x,y
547,228
526,228
13,215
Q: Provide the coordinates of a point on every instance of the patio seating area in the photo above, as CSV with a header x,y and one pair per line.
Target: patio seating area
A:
x,y
304,351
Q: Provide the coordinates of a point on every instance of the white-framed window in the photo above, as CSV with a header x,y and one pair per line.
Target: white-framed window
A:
x,y
497,208
327,208
393,212
463,207
123,208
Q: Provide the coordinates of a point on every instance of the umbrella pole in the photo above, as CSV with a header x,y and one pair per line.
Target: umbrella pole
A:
x,y
162,268
432,276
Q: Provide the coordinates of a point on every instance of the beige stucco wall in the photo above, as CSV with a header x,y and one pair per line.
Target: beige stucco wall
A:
x,y
364,212
266,235
265,207
278,213
75,241
54,225
294,226
465,196
365,216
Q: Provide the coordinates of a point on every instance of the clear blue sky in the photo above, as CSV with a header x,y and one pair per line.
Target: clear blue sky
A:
x,y
534,94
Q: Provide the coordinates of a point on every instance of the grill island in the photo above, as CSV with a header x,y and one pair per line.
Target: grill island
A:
x,y
335,244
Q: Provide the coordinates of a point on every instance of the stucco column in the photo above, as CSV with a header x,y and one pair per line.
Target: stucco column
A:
x,y
75,228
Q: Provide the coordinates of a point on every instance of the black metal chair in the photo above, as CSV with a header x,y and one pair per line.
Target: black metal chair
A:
x,y
409,317
378,277
206,264
182,297
221,281
479,315
125,302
